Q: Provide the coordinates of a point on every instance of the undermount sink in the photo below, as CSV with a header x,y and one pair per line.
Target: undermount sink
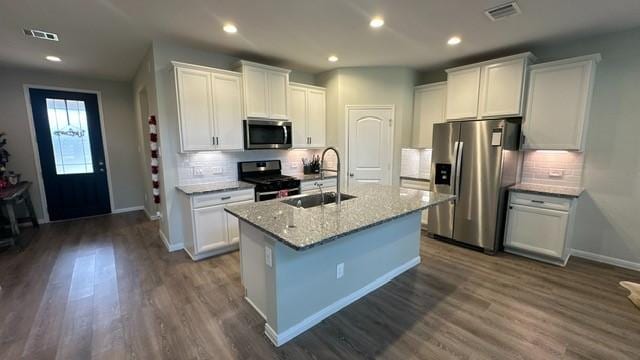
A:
x,y
313,200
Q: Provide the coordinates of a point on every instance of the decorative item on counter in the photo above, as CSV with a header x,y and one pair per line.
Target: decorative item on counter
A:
x,y
312,166
13,178
153,143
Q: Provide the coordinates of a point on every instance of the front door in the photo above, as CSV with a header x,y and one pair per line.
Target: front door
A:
x,y
67,126
370,144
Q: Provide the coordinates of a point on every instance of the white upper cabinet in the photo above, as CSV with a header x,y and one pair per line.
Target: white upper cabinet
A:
x,y
195,109
227,110
429,102
558,104
488,90
209,108
307,112
463,88
502,88
265,90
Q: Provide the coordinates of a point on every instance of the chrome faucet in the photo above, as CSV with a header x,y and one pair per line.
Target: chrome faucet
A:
x,y
336,170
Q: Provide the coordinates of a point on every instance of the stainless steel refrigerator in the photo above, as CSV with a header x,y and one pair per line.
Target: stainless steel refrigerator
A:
x,y
476,161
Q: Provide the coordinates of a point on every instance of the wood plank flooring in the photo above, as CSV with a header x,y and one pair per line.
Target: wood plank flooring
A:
x,y
106,288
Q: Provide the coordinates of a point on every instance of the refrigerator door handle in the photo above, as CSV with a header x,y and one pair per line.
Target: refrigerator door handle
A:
x,y
458,168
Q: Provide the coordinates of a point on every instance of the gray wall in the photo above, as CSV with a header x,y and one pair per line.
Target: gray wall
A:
x,y
118,123
370,86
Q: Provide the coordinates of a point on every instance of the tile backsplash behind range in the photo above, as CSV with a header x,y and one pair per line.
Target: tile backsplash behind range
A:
x,y
203,167
560,168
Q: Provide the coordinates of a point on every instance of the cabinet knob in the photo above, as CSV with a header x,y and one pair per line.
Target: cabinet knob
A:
x,y
351,174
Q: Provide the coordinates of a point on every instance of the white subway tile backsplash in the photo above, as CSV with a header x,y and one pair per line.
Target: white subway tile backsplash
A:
x,y
415,163
222,166
539,166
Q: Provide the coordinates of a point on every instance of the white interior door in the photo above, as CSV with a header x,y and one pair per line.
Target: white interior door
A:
x,y
370,144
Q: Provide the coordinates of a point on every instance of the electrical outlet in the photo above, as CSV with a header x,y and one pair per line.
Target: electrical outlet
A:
x,y
197,171
340,271
217,170
556,173
267,256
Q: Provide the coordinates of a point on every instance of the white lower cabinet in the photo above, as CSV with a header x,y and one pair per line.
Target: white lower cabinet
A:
x,y
539,227
208,229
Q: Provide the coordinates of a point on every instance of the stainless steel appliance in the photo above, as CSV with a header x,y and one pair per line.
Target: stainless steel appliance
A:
x,y
477,162
268,179
267,134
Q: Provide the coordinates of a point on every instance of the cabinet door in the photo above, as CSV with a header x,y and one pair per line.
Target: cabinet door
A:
x,y
428,109
541,231
558,106
227,111
501,88
316,118
211,228
255,92
277,94
193,88
463,88
298,116
233,228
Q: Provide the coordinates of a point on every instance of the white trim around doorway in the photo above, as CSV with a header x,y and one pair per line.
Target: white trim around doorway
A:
x,y
392,133
34,143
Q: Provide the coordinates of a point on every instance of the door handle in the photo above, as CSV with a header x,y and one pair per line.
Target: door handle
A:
x,y
458,168
351,174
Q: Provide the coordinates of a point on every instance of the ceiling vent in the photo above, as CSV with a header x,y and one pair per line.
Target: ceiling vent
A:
x,y
39,34
503,11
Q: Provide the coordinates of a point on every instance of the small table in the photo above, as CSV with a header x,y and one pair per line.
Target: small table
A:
x,y
9,198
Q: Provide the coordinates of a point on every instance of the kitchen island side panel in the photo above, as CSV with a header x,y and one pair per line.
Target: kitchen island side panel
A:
x,y
306,282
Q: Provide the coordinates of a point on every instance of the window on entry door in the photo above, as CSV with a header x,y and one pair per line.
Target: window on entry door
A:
x,y
69,136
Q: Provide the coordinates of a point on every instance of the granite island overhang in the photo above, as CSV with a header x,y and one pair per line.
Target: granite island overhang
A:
x,y
299,266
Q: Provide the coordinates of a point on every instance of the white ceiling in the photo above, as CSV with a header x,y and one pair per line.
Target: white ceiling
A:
x,y
108,38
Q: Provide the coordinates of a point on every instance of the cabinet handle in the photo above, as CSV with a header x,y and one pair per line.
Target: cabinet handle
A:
x,y
538,201
217,140
213,140
225,198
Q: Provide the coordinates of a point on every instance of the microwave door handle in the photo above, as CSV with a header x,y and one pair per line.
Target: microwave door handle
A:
x,y
458,169
286,134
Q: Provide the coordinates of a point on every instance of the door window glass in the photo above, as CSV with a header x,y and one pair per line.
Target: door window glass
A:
x,y
69,136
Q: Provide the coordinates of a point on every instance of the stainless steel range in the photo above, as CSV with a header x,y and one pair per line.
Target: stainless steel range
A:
x,y
268,178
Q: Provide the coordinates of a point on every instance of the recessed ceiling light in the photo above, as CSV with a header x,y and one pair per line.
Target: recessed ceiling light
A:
x,y
454,40
376,22
230,28
333,58
53,58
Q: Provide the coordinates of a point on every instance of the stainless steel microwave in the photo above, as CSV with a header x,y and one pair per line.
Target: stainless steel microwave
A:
x,y
267,134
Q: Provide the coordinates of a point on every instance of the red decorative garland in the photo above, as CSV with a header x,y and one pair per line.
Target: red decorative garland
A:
x,y
153,142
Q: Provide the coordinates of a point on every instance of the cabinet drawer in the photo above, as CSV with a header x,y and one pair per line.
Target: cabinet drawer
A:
x,y
327,183
203,200
540,201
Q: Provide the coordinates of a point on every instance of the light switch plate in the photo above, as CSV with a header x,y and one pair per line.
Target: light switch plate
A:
x,y
197,171
217,170
340,271
556,173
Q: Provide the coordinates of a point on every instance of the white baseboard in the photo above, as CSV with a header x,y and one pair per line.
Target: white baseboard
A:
x,y
170,247
127,209
208,254
281,338
149,216
256,309
606,259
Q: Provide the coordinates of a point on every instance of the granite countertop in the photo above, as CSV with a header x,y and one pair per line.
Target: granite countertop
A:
x,y
221,186
373,205
312,177
563,191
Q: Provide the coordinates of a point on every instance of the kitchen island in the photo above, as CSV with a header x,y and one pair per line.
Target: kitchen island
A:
x,y
300,265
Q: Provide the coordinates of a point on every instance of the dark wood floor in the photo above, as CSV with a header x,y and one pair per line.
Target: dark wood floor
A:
x,y
106,288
